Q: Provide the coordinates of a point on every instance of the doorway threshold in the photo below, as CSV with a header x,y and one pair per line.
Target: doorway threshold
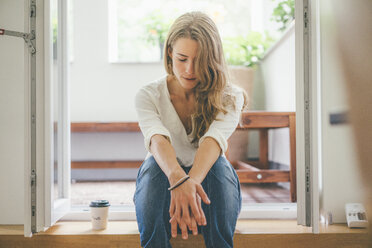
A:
x,y
269,211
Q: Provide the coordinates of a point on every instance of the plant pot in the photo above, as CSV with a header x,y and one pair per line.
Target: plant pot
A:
x,y
243,77
238,141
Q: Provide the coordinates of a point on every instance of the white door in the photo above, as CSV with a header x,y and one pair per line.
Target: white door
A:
x,y
58,184
48,199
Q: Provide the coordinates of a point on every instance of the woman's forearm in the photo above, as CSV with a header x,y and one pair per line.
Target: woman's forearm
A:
x,y
165,156
184,197
206,155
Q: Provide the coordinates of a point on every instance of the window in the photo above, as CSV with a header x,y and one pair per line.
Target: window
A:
x,y
137,29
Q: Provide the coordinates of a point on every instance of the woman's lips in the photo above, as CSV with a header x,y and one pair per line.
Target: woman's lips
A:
x,y
190,79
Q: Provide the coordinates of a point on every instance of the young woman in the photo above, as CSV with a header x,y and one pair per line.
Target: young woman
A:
x,y
186,183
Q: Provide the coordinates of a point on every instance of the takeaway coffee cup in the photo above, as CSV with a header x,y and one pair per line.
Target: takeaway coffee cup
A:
x,y
99,213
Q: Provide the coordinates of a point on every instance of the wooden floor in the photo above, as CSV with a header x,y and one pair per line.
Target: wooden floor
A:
x,y
249,233
121,193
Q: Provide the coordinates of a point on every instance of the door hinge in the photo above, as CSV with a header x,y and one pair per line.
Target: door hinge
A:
x,y
33,201
33,211
306,19
33,10
33,179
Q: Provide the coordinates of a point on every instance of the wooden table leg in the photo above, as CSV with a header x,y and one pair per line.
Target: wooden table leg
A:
x,y
265,121
292,150
264,149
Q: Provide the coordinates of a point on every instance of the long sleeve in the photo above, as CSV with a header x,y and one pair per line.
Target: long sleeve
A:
x,y
225,124
149,117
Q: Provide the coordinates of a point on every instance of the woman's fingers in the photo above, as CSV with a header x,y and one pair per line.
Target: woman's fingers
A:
x,y
183,228
173,222
177,213
203,195
172,207
185,209
203,220
194,226
186,215
196,211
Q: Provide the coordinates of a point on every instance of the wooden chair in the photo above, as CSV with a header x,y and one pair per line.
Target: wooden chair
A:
x,y
258,171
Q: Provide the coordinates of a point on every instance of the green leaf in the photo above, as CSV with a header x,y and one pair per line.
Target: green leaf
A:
x,y
246,50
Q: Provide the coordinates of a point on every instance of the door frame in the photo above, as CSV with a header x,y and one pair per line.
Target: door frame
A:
x,y
307,111
48,211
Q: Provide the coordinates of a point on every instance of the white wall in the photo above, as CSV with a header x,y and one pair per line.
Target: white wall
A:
x,y
341,182
11,114
102,91
107,146
274,90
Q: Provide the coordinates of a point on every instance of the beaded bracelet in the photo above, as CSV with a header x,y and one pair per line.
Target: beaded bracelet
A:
x,y
179,182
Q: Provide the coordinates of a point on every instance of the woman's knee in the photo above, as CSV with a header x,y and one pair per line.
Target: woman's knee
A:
x,y
223,172
152,200
151,184
149,168
223,187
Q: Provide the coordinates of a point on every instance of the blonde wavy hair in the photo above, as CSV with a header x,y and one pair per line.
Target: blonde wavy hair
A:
x,y
213,91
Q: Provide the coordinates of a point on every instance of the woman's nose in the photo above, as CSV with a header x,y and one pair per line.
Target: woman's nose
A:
x,y
190,68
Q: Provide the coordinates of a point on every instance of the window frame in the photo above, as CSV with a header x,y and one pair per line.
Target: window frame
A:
x,y
303,205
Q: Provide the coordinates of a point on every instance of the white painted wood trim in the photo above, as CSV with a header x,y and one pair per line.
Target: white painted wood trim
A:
x,y
39,122
47,211
300,104
40,117
61,206
250,211
113,32
66,132
48,113
27,129
316,121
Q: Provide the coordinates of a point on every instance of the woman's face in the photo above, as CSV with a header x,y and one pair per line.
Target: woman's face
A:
x,y
183,58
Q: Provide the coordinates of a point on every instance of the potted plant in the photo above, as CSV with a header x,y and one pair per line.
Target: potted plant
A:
x,y
156,28
242,54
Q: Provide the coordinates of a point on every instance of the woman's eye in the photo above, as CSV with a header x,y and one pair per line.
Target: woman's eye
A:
x,y
182,60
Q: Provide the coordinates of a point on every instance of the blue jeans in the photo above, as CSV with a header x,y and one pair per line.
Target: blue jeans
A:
x,y
152,200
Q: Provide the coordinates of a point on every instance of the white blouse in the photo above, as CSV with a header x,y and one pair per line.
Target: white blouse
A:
x,y
157,115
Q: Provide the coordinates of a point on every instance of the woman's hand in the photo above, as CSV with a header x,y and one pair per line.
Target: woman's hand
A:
x,y
183,227
185,207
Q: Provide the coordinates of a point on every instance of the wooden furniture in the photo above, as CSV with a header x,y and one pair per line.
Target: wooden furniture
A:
x,y
105,127
258,171
248,171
